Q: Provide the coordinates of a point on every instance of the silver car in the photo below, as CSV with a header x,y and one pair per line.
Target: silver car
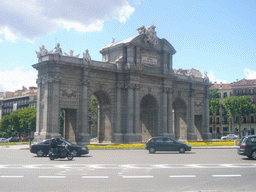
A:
x,y
230,137
3,140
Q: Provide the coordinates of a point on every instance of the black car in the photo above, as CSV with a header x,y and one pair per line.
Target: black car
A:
x,y
247,146
13,139
163,143
42,148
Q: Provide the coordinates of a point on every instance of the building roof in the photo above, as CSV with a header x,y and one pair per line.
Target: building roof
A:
x,y
244,83
221,86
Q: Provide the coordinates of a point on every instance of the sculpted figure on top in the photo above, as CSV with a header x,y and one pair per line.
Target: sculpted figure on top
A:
x,y
43,51
58,50
151,38
86,56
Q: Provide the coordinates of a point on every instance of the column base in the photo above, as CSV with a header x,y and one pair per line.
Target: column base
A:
x,y
131,138
169,135
83,139
40,136
207,137
117,138
192,137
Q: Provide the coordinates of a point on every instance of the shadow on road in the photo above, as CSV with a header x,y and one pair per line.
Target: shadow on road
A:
x,y
172,153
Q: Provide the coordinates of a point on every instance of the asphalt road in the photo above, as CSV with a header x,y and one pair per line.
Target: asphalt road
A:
x,y
128,170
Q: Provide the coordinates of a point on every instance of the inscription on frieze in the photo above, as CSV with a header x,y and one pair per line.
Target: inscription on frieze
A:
x,y
70,93
149,59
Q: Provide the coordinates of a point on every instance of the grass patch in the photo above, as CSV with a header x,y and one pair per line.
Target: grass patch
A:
x,y
142,145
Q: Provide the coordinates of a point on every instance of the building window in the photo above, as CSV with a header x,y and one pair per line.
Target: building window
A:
x,y
237,119
251,91
218,120
210,129
225,94
225,120
244,119
252,119
237,91
244,91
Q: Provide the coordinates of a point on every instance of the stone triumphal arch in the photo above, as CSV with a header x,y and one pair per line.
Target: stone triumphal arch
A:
x,y
140,95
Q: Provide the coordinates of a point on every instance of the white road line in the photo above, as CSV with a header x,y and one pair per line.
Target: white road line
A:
x,y
95,177
226,175
51,177
138,177
179,176
9,176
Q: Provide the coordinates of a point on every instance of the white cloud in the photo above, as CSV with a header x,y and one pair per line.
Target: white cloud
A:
x,y
1,41
250,74
14,80
213,79
33,18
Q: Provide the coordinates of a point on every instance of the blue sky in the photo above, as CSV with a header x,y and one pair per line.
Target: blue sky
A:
x,y
217,36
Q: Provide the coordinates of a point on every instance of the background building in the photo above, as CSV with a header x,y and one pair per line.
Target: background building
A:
x,y
219,125
20,99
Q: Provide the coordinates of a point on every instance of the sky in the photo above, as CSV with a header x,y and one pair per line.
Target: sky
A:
x,y
217,36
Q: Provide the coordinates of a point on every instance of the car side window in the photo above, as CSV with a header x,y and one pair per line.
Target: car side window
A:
x,y
168,140
47,142
159,140
253,139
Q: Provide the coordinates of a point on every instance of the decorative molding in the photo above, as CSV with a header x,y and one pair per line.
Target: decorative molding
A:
x,y
70,93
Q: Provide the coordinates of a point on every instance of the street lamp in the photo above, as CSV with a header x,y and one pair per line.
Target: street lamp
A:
x,y
29,135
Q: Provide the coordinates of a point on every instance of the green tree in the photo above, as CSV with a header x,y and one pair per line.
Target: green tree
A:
x,y
213,94
240,106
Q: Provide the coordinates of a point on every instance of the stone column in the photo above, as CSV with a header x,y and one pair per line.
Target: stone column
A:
x,y
170,126
118,136
83,136
130,114
38,112
130,57
191,117
207,135
164,111
137,128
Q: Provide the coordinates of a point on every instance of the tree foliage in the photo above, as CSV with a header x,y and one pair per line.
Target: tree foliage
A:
x,y
19,120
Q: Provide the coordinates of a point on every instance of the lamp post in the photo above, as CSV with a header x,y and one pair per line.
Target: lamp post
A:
x,y
29,135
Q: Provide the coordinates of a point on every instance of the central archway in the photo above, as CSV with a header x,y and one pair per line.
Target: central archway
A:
x,y
148,117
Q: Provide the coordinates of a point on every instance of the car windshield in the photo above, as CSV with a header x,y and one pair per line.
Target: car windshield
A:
x,y
68,142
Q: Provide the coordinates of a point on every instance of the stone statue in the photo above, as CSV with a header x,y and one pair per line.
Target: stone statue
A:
x,y
58,50
113,40
141,30
86,56
206,78
42,51
151,38
71,54
190,73
175,71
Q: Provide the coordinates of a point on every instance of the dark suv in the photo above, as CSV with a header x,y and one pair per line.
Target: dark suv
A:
x,y
247,146
164,143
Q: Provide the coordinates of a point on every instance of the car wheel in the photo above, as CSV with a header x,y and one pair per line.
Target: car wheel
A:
x,y
75,153
70,156
152,150
253,155
40,153
182,150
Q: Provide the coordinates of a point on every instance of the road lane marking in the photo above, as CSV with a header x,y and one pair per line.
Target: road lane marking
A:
x,y
51,177
138,177
95,177
226,175
9,176
180,176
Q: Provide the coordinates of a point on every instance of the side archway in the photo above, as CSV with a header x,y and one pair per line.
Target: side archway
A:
x,y
104,117
148,117
180,119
